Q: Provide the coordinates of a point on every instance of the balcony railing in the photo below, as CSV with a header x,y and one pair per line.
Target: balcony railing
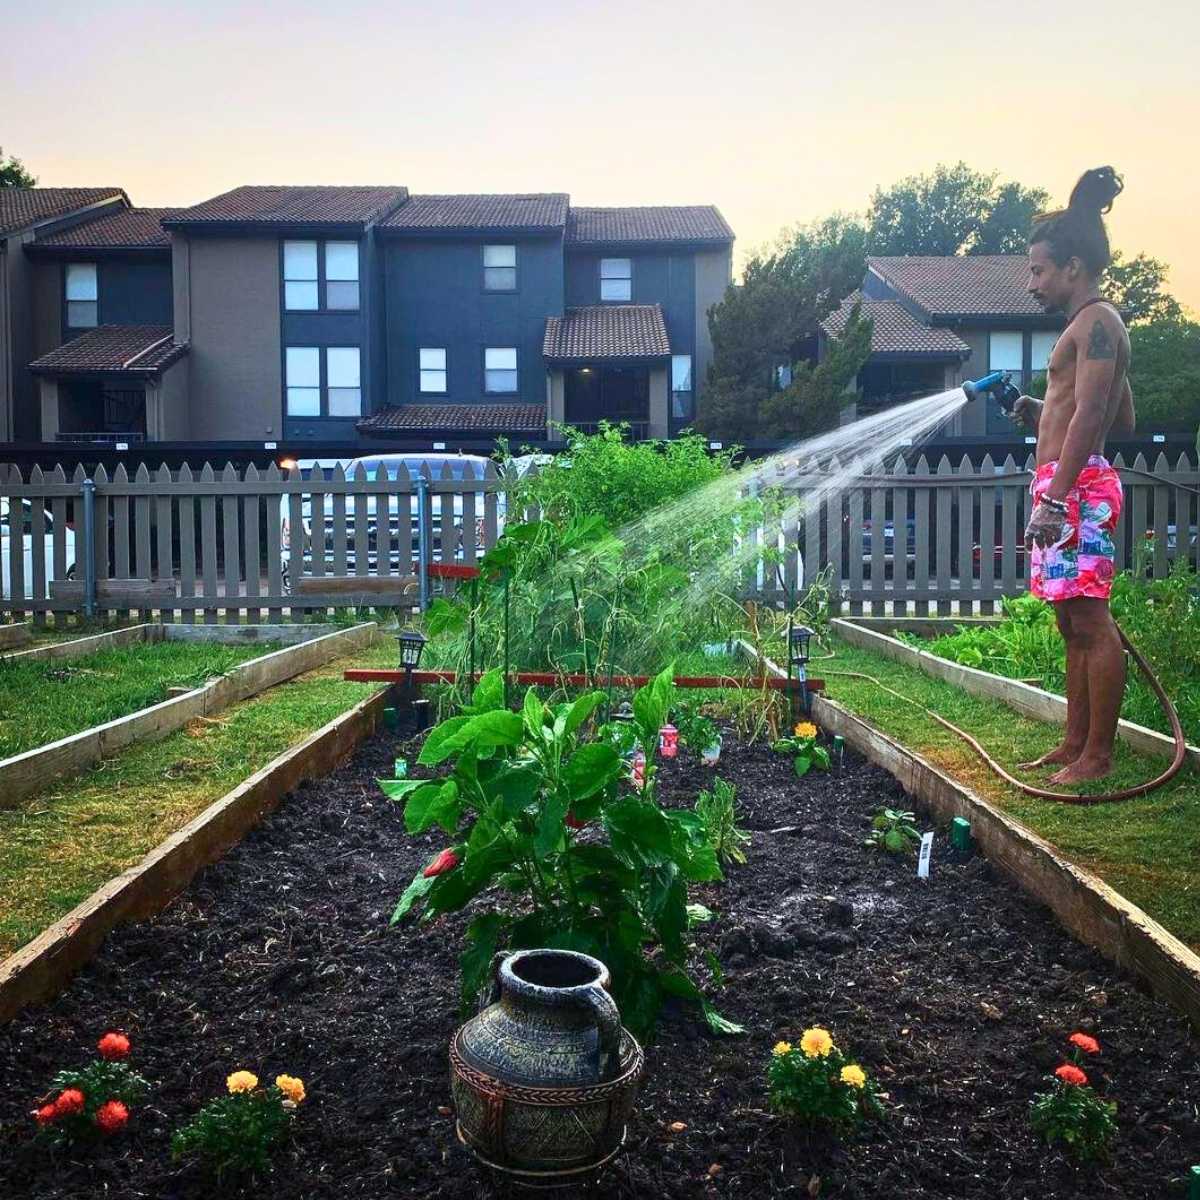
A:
x,y
101,439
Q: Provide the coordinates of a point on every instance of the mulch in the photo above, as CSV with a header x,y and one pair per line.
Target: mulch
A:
x,y
957,994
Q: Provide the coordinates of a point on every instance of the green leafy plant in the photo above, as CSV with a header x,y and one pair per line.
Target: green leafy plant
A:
x,y
696,731
1071,1112
718,814
536,812
94,1101
804,748
893,830
817,1084
235,1134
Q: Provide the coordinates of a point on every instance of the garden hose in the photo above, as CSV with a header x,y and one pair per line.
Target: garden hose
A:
x,y
1029,789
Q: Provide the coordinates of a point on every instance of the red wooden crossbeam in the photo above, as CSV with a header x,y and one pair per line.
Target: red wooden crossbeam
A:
x,y
549,679
452,571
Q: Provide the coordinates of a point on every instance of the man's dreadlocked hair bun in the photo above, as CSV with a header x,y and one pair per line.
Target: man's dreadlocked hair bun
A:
x,y
1077,231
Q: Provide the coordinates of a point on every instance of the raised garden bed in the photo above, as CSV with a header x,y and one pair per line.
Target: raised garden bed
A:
x,y
212,676
956,993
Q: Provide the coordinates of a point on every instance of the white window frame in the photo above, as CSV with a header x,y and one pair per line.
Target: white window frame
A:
x,y
299,288
500,267
305,399
683,388
494,365
338,276
81,287
300,391
1003,361
616,280
1039,340
348,387
432,371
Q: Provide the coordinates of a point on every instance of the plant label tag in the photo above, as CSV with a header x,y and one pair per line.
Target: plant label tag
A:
x,y
923,858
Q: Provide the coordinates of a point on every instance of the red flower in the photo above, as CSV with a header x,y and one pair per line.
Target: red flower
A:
x,y
45,1115
69,1103
573,822
447,860
111,1117
113,1046
1087,1044
1071,1074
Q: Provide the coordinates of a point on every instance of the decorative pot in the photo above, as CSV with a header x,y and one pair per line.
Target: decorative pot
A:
x,y
544,1078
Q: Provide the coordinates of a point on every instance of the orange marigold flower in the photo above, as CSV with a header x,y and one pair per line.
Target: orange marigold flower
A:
x,y
113,1046
816,1042
1087,1044
45,1115
291,1087
69,1103
111,1116
241,1081
1071,1074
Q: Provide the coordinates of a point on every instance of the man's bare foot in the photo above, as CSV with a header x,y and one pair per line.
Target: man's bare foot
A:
x,y
1082,770
1062,755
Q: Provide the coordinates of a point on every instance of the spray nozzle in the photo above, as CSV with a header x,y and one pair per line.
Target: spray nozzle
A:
x,y
998,385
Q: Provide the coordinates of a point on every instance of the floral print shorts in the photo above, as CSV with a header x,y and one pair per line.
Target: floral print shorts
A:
x,y
1082,562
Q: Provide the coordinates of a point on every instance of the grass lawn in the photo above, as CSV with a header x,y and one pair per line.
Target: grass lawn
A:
x,y
1147,848
64,843
46,699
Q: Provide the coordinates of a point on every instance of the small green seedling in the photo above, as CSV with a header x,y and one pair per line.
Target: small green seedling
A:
x,y
718,816
893,830
805,751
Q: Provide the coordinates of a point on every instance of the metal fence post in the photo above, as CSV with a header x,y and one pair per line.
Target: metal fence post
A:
x,y
423,531
88,492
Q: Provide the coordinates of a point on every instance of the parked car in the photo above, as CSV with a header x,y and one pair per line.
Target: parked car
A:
x,y
404,543
21,541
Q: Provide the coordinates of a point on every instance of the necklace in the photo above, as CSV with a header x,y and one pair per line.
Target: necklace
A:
x,y
1093,300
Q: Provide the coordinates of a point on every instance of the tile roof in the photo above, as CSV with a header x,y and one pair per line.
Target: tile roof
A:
x,y
480,418
129,229
606,331
972,285
467,212
128,349
690,223
896,330
274,206
22,207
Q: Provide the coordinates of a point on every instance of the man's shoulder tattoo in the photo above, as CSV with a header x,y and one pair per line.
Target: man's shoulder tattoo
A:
x,y
1100,344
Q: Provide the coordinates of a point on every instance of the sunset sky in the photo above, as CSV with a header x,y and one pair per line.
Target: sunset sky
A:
x,y
774,110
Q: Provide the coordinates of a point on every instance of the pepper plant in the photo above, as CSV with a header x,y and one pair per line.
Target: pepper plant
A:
x,y
804,749
538,816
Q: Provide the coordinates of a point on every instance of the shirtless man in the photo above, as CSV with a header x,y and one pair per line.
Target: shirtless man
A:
x,y
1077,493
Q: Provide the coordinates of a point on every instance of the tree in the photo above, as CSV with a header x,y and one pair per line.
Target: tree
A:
x,y
13,173
954,210
770,319
1164,373
1138,287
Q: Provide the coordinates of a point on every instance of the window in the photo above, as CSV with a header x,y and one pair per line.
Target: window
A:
x,y
616,279
681,387
303,381
341,275
1005,353
783,376
499,268
82,296
1043,347
500,369
343,387
300,276
432,369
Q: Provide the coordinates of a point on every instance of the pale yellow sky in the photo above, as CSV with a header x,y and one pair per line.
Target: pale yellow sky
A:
x,y
776,111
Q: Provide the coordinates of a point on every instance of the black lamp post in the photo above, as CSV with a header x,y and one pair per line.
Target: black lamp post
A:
x,y
411,646
799,637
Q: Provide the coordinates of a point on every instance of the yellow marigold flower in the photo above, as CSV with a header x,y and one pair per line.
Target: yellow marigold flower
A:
x,y
781,1048
806,729
242,1081
816,1042
854,1075
291,1087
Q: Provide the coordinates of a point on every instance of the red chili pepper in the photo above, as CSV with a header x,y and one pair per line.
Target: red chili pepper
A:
x,y
447,860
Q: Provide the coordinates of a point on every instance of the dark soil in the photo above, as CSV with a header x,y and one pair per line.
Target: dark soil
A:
x,y
957,994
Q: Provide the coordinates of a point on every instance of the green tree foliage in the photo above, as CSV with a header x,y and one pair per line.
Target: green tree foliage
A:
x,y
1164,372
952,210
1138,287
770,320
13,173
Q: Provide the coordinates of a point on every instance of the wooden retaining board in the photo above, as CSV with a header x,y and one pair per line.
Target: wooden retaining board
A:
x,y
14,635
1022,697
1095,913
25,774
41,969
78,647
